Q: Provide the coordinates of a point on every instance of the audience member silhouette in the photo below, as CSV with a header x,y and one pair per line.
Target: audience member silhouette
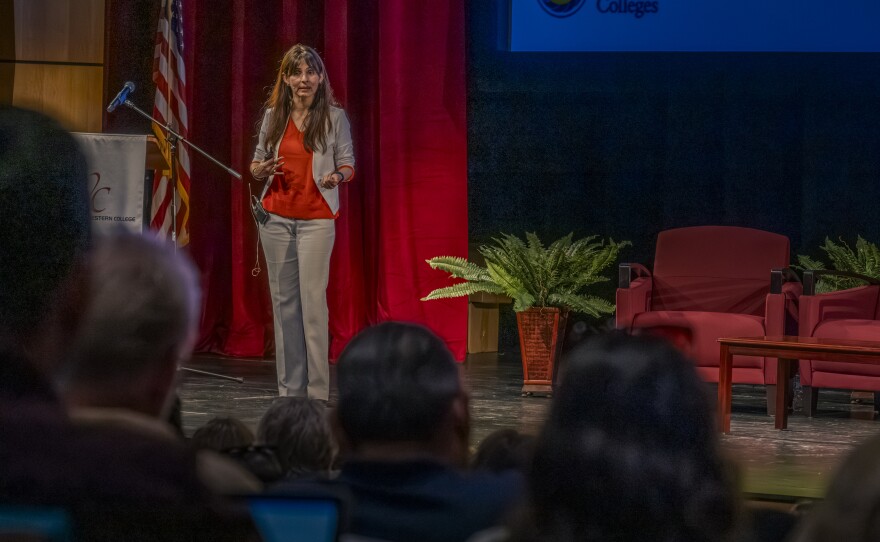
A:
x,y
221,434
298,429
232,438
117,484
140,322
851,509
504,449
403,414
630,450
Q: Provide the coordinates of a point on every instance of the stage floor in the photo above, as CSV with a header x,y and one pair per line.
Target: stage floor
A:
x,y
774,465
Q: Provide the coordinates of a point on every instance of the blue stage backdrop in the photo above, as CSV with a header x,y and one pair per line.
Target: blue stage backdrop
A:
x,y
695,25
628,144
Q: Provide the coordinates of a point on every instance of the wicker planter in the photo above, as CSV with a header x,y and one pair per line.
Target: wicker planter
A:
x,y
540,343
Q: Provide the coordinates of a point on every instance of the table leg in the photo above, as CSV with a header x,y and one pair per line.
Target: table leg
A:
x,y
725,374
782,392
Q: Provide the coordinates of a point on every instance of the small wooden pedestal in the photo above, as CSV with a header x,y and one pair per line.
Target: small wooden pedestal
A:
x,y
483,312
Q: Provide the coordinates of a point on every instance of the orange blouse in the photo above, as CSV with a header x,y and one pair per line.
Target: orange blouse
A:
x,y
295,194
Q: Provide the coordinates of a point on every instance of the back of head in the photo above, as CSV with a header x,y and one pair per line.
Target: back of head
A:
x,y
504,449
222,434
397,383
851,509
298,429
44,228
629,451
142,313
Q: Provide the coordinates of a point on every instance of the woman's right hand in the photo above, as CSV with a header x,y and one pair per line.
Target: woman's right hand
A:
x,y
267,168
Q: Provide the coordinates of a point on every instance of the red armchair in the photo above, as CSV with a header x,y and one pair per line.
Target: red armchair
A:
x,y
852,314
711,282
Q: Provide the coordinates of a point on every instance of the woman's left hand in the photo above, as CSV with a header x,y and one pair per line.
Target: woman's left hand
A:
x,y
330,181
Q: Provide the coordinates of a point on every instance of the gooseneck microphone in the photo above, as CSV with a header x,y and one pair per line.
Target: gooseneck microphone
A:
x,y
120,98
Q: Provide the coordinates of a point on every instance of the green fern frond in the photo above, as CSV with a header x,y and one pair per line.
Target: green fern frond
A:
x,y
592,305
511,284
533,274
535,245
523,302
458,267
511,255
869,256
463,289
842,256
808,264
607,255
864,259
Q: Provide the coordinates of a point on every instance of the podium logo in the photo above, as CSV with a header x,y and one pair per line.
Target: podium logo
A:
x,y
561,8
96,191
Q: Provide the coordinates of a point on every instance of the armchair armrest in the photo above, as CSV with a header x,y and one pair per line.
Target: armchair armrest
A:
x,y
627,271
779,277
634,294
781,308
811,277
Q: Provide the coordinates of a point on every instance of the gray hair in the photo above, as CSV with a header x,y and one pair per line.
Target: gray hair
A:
x,y
144,307
298,429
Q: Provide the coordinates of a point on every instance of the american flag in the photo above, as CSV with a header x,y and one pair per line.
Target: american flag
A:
x,y
169,74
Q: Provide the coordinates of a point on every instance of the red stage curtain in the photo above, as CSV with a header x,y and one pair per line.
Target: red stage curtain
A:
x,y
398,68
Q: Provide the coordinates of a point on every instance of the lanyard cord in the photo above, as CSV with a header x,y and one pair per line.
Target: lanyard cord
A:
x,y
256,270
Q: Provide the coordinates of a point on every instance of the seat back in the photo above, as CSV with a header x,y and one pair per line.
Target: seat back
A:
x,y
716,269
315,512
35,523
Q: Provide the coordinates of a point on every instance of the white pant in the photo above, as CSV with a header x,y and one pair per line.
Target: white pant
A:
x,y
298,262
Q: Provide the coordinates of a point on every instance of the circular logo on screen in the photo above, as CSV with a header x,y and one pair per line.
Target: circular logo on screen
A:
x,y
561,8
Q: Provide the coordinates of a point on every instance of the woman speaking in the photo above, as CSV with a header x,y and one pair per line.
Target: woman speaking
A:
x,y
304,152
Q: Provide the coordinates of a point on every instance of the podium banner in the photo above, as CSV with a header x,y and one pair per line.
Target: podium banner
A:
x,y
116,180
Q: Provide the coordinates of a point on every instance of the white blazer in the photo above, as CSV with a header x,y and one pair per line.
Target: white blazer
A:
x,y
339,152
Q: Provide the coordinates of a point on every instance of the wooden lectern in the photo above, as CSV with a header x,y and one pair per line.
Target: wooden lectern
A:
x,y
155,161
155,158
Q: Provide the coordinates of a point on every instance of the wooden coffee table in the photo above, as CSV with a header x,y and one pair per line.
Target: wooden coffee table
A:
x,y
787,349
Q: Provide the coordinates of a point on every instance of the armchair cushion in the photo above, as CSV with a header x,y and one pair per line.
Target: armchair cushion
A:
x,y
704,328
851,314
832,374
710,294
856,303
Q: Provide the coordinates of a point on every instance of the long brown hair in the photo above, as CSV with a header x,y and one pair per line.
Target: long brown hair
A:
x,y
317,122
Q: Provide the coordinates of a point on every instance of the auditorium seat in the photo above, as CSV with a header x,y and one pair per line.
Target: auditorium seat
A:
x,y
852,314
47,524
710,282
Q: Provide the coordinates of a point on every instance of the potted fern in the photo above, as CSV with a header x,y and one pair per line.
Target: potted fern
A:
x,y
849,268
545,284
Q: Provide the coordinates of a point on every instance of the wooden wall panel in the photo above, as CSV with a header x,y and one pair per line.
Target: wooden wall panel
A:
x,y
51,59
7,31
72,94
59,31
7,81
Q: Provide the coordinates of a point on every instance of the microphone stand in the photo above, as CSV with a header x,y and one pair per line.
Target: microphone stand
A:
x,y
172,137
